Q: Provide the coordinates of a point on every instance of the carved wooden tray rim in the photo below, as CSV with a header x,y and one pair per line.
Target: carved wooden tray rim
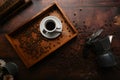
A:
x,y
10,39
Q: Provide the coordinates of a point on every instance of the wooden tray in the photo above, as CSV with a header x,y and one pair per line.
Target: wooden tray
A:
x,y
31,46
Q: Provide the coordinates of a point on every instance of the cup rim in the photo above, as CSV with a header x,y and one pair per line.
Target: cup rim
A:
x,y
46,23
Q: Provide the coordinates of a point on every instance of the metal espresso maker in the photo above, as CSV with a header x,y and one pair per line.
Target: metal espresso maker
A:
x,y
101,47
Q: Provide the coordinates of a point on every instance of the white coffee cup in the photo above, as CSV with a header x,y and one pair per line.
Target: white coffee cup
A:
x,y
50,26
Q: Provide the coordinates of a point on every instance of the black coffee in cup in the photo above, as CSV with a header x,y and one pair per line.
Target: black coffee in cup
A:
x,y
50,25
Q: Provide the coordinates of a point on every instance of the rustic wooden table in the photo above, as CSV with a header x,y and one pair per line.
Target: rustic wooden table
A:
x,y
67,63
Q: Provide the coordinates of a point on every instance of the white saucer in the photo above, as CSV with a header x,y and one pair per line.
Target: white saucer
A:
x,y
54,34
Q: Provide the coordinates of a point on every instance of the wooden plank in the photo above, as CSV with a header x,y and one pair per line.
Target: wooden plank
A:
x,y
10,7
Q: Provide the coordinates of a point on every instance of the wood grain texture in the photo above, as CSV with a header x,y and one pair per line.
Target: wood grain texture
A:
x,y
9,8
67,62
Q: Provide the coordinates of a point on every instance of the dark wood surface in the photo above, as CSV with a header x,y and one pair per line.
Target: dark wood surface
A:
x,y
67,63
9,8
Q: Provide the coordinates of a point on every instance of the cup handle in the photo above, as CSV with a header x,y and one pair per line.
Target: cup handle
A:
x,y
57,30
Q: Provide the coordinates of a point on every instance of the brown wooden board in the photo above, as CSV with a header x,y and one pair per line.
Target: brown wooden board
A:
x,y
6,5
9,7
31,46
